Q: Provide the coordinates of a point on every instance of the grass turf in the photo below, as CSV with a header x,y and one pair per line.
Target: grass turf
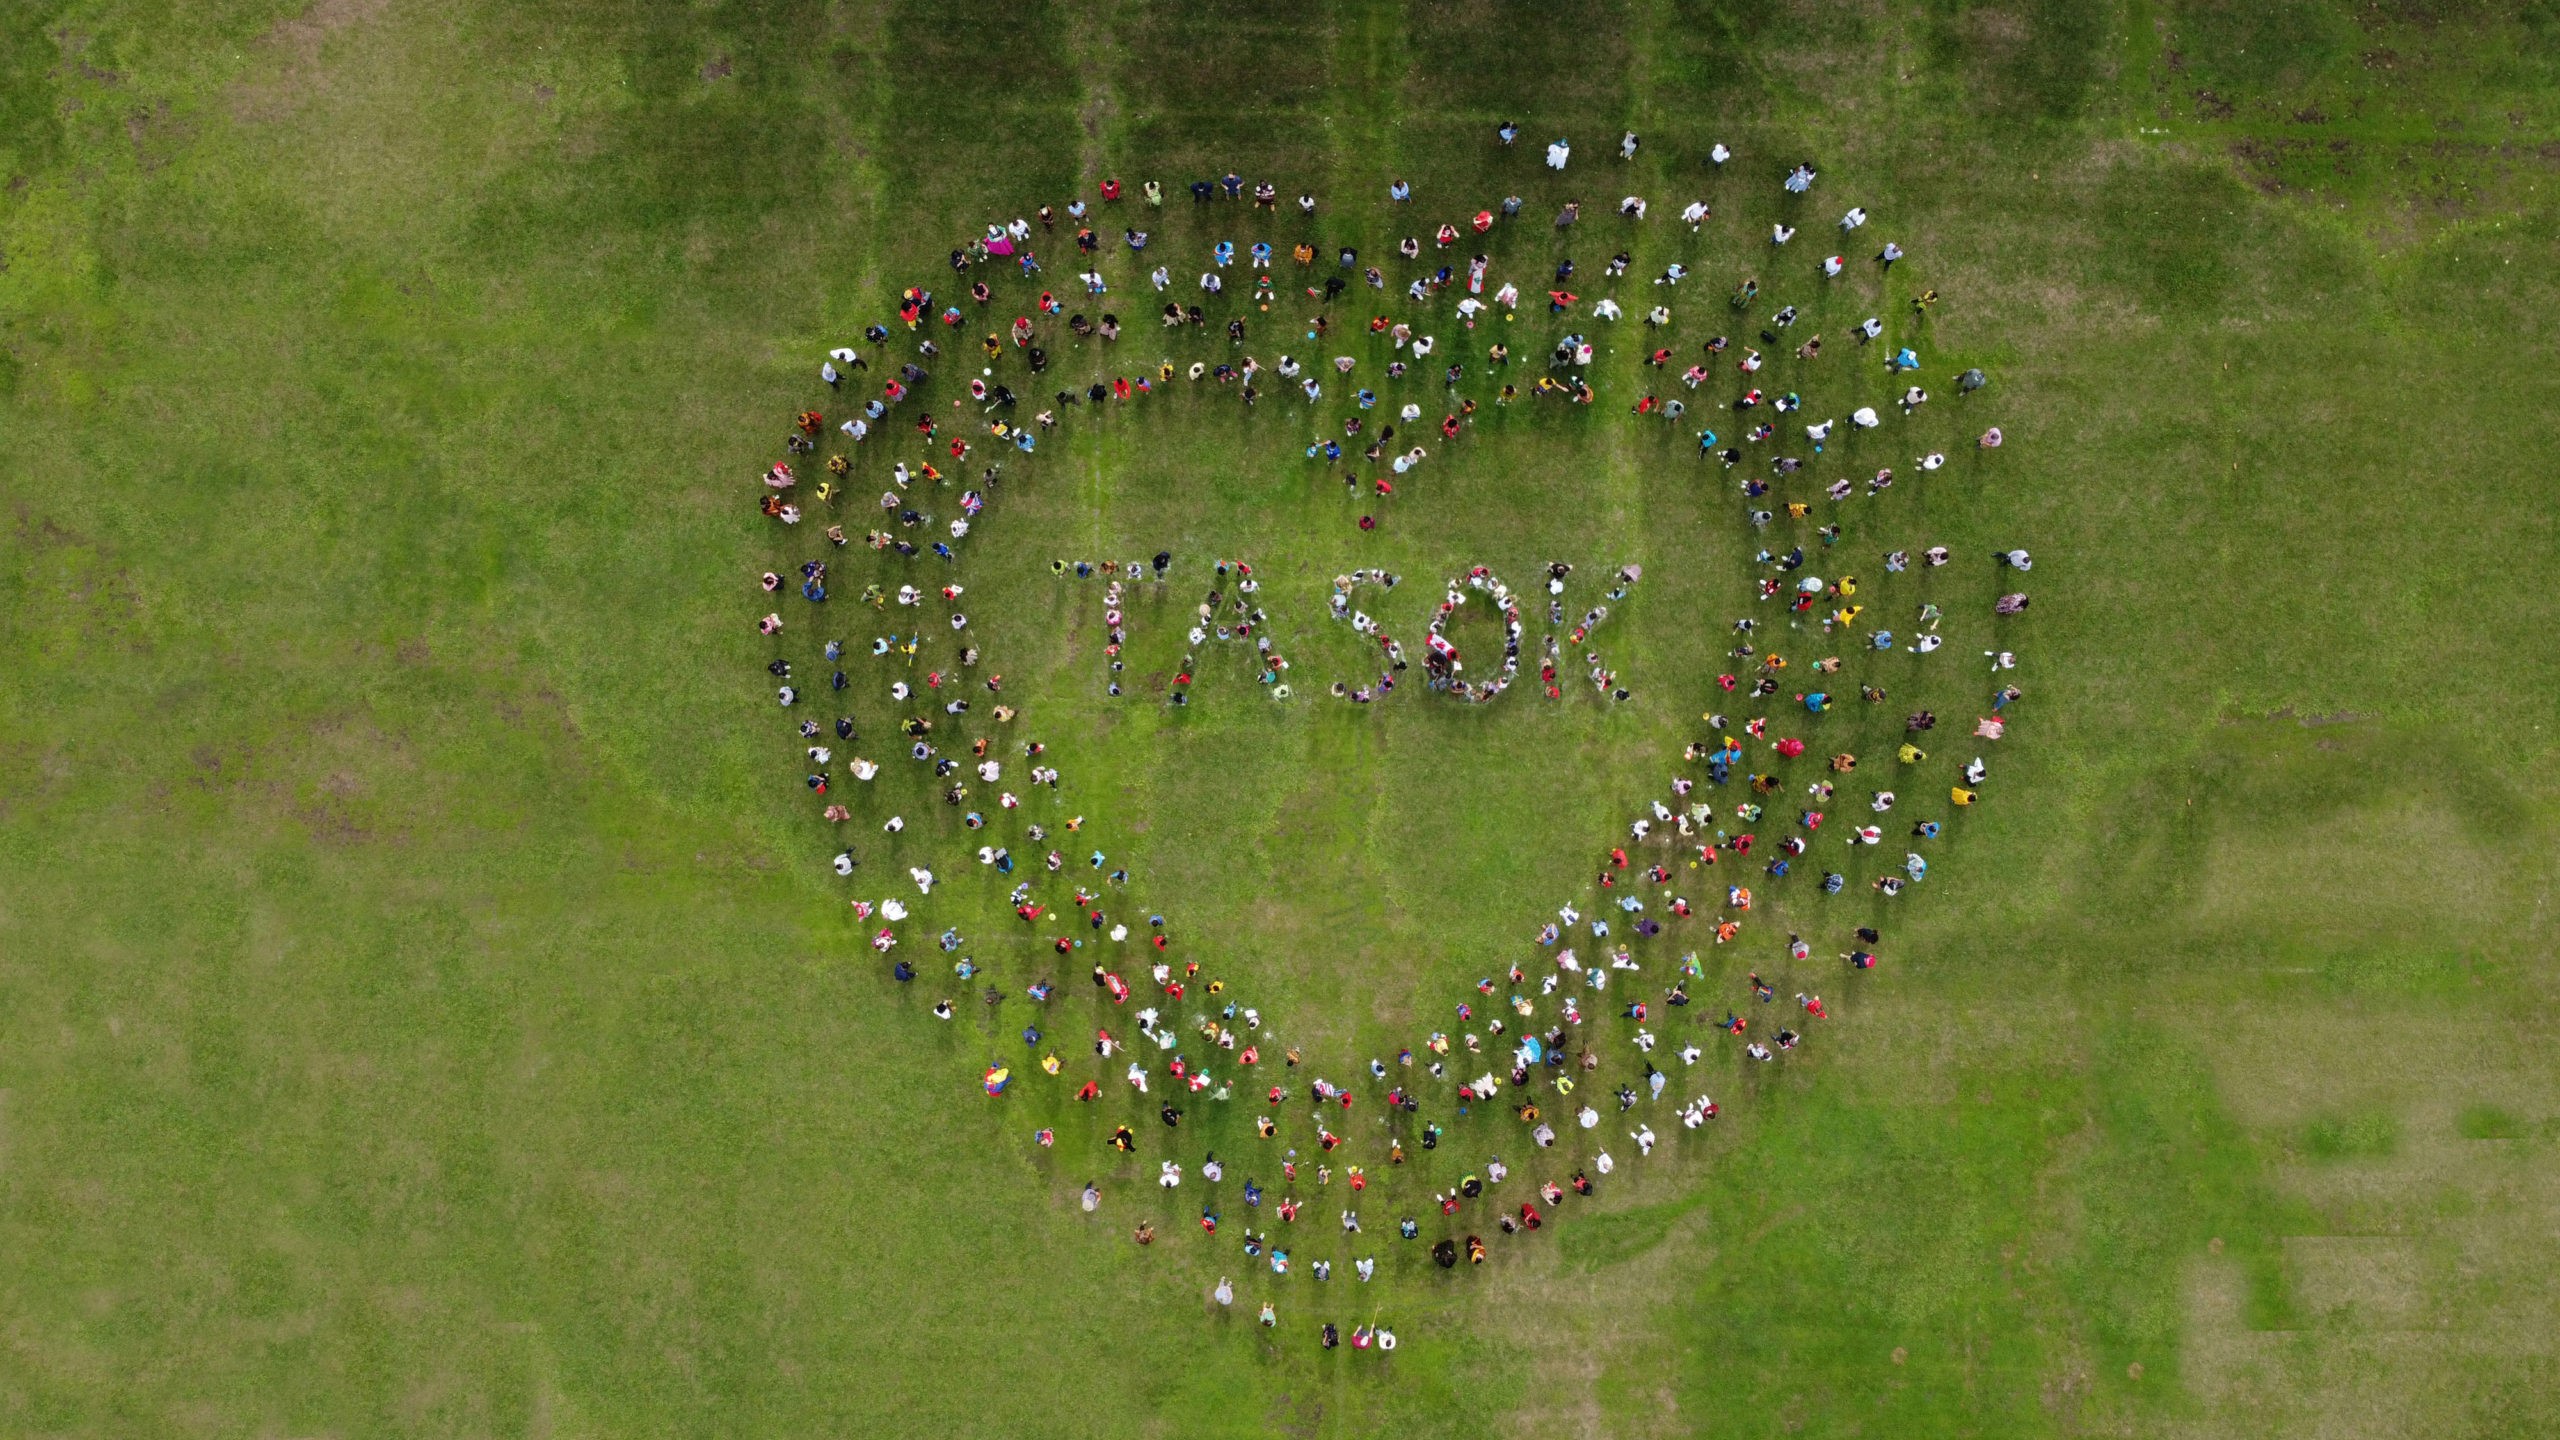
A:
x,y
425,1014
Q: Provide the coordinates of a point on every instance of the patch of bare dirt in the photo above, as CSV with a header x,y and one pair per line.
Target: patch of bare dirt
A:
x,y
42,533
331,821
293,72
156,135
75,62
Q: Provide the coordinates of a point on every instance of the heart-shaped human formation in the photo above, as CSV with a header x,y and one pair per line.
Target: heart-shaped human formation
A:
x,y
1595,1007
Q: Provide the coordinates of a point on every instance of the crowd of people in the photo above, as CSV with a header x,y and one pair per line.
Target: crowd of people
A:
x,y
1591,1024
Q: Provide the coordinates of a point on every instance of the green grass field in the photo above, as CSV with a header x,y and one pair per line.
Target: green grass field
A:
x,y
425,1007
